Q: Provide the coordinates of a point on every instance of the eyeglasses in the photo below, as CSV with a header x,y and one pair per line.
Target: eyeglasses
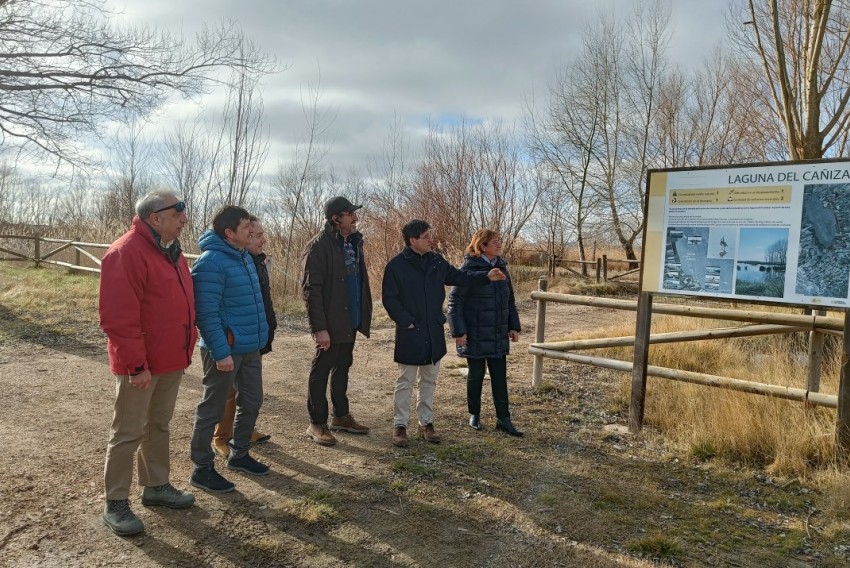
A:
x,y
180,206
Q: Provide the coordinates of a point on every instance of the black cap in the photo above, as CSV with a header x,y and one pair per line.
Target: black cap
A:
x,y
337,205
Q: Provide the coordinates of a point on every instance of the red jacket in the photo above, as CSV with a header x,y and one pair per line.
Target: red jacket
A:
x,y
147,305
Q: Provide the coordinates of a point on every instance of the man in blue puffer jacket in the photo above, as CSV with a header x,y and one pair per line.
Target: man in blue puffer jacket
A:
x,y
232,321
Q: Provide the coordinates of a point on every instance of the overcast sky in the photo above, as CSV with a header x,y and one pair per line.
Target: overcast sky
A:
x,y
431,60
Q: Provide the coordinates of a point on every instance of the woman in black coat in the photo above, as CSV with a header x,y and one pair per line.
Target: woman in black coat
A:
x,y
483,321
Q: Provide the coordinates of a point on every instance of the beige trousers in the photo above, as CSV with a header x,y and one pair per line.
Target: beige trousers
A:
x,y
425,399
140,422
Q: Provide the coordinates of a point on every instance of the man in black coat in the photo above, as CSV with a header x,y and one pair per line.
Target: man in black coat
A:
x,y
335,287
413,294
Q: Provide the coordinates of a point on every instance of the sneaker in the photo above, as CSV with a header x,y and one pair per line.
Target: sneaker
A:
x,y
429,433
247,464
167,495
348,424
258,437
400,437
320,434
210,480
221,448
118,517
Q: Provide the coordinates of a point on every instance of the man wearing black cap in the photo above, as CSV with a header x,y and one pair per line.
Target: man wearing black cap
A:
x,y
335,286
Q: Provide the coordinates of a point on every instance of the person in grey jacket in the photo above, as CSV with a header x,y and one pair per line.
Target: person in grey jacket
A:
x,y
414,289
335,286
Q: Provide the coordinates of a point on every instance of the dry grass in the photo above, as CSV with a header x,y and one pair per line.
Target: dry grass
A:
x,y
782,436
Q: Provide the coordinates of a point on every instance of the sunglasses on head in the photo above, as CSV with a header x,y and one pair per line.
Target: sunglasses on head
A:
x,y
180,206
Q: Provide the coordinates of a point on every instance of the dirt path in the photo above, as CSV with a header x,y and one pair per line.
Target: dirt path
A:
x,y
571,493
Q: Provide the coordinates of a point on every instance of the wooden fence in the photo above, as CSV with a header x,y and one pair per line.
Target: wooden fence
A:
x,y
44,249
761,323
602,267
43,254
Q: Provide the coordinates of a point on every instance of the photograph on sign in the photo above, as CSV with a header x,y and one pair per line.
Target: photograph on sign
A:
x,y
774,233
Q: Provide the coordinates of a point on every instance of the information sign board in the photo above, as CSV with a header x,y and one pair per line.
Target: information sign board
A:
x,y
775,232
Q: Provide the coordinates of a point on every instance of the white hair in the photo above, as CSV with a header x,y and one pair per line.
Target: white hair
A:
x,y
154,199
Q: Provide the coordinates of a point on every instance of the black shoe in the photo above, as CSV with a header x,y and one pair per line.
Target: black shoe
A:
x,y
504,424
474,422
210,480
247,464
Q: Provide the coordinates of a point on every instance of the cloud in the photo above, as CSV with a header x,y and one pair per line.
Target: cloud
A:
x,y
420,61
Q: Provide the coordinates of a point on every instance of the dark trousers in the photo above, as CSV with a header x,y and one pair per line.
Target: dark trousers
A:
x,y
498,367
247,378
333,363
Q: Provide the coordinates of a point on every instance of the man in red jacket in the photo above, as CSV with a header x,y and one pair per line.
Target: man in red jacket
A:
x,y
147,310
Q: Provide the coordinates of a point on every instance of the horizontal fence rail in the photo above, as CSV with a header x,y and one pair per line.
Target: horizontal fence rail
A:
x,y
42,256
816,324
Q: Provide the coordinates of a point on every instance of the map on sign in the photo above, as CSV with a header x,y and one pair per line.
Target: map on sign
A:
x,y
776,233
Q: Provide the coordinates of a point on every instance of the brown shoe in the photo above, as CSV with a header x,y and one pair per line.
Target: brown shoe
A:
x,y
220,447
320,434
348,424
258,437
429,433
400,437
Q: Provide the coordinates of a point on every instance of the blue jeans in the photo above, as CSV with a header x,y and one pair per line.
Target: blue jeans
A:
x,y
247,378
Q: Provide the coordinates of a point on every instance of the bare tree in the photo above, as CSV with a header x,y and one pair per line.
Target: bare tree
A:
x,y
66,67
301,186
506,189
243,124
565,138
187,162
390,187
641,67
802,48
75,208
131,174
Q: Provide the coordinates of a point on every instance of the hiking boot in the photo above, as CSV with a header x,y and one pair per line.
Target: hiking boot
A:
x,y
429,433
118,517
348,424
247,464
210,480
320,434
400,437
258,437
221,448
167,495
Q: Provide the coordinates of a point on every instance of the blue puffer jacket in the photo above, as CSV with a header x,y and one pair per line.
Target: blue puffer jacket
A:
x,y
228,297
485,314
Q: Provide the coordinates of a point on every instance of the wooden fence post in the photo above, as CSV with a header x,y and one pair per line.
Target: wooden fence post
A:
x,y
539,335
605,268
598,269
816,340
37,250
641,360
842,425
77,256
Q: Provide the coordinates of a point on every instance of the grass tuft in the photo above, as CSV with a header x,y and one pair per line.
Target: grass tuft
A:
x,y
656,546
